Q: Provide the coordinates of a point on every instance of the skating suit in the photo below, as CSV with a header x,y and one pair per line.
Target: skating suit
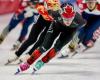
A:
x,y
92,29
19,16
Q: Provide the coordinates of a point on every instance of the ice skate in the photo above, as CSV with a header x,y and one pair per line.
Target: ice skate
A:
x,y
77,50
23,58
89,45
72,53
62,56
23,67
68,53
38,65
86,49
12,58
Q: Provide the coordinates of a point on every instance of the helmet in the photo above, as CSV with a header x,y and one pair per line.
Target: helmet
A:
x,y
68,11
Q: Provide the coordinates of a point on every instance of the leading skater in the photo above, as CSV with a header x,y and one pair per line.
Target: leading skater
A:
x,y
65,25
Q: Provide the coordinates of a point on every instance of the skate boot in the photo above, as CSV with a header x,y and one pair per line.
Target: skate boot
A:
x,y
38,66
23,58
12,58
22,67
69,52
73,50
89,45
16,46
63,54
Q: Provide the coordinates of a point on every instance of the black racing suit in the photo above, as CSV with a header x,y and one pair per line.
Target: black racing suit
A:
x,y
65,33
56,28
41,26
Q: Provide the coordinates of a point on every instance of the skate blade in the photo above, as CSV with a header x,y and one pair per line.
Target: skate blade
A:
x,y
11,63
17,72
62,57
74,53
20,61
85,49
7,63
34,70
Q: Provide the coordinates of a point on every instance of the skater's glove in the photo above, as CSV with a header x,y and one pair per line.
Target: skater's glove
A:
x,y
24,66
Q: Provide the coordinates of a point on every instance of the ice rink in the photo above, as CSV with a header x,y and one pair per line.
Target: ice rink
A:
x,y
83,66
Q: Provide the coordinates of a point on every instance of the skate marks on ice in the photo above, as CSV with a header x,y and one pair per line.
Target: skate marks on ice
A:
x,y
88,55
70,66
67,68
57,70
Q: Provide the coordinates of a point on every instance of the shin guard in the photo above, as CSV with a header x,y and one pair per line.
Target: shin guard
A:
x,y
35,55
49,55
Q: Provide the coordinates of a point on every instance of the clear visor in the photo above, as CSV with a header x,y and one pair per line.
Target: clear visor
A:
x,y
68,21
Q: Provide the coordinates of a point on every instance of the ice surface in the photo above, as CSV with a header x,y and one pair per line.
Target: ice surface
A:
x,y
84,66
